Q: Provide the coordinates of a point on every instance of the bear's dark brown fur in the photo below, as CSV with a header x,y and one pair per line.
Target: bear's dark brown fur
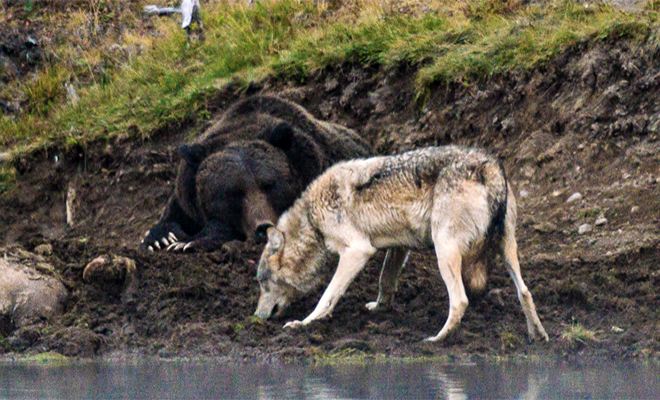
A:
x,y
247,170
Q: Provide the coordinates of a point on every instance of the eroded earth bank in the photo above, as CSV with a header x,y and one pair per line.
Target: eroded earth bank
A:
x,y
588,122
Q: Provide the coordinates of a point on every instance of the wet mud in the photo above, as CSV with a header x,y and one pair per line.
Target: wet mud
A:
x,y
585,123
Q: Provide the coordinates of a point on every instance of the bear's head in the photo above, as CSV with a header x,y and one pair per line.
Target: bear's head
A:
x,y
241,189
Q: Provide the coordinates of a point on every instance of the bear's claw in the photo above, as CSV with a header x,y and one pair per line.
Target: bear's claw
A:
x,y
180,246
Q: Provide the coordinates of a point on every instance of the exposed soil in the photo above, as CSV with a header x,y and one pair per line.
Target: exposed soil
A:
x,y
588,122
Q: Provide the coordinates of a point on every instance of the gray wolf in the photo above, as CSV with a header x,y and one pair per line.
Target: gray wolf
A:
x,y
247,170
452,198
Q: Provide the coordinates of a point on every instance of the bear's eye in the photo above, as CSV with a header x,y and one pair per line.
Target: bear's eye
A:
x,y
268,186
231,192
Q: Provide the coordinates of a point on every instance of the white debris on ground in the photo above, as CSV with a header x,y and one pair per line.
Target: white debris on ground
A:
x,y
189,11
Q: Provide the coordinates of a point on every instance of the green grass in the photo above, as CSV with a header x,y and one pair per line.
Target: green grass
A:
x,y
576,334
171,78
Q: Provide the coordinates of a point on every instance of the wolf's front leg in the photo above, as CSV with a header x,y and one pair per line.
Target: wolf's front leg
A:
x,y
395,260
351,261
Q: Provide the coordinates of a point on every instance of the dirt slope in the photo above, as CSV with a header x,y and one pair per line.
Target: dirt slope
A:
x,y
588,122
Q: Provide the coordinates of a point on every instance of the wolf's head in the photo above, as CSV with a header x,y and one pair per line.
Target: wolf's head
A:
x,y
275,291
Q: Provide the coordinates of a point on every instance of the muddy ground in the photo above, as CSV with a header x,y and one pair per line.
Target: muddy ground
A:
x,y
587,122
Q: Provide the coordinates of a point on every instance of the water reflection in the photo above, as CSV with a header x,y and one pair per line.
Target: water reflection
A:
x,y
196,380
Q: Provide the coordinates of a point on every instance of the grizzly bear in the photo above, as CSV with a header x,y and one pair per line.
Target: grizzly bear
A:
x,y
245,171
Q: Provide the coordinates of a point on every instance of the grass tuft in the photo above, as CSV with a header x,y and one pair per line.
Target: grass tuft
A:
x,y
575,335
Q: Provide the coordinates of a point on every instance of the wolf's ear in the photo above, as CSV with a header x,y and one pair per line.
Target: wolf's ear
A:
x,y
275,239
281,136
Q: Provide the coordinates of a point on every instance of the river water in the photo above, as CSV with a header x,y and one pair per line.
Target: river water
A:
x,y
390,380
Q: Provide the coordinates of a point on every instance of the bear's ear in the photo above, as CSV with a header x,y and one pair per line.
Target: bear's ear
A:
x,y
194,154
261,233
281,136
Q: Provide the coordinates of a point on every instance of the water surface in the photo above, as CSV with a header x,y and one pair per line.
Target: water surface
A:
x,y
393,380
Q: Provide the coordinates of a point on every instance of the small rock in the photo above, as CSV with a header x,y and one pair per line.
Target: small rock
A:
x,y
348,94
108,268
44,249
634,209
331,84
574,197
29,289
600,221
528,170
524,194
545,227
496,296
616,329
542,257
584,228
71,93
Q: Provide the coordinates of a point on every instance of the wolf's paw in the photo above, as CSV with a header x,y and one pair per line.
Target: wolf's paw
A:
x,y
379,307
432,339
293,325
538,334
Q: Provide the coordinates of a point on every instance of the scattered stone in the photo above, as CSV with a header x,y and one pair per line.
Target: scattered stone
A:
x,y
44,249
325,109
545,227
331,84
634,209
528,170
574,197
523,194
30,289
600,221
378,98
495,296
348,94
543,257
71,93
584,228
616,329
4,156
118,269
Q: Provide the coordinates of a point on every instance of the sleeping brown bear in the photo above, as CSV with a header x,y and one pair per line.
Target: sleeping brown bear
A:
x,y
247,170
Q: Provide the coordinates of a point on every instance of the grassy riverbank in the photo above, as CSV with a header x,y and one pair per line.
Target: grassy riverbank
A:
x,y
134,75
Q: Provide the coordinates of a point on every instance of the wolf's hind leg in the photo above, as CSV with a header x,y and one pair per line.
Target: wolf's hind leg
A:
x,y
449,262
510,255
351,261
395,261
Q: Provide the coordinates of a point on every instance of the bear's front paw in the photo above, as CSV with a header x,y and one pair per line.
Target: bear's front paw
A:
x,y
161,237
293,324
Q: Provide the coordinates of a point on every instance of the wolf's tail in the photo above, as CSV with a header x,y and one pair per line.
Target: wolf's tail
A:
x,y
492,175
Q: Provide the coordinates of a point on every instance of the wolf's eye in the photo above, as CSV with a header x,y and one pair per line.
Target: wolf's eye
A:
x,y
263,275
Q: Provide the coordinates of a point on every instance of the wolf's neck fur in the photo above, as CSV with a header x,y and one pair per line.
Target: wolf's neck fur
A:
x,y
305,252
